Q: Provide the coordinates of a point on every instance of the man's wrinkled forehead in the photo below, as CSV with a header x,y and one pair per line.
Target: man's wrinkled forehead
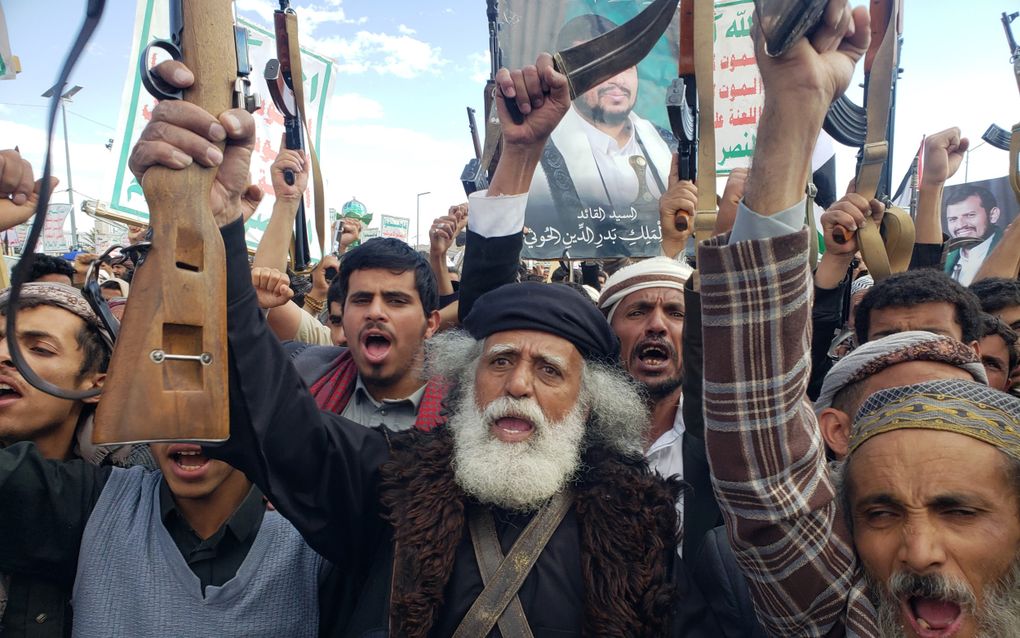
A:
x,y
499,347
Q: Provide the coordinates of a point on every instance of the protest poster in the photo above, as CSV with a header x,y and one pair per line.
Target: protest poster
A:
x,y
592,197
396,227
52,239
974,215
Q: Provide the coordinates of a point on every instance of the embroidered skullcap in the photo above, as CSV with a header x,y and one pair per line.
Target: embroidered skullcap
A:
x,y
557,310
947,405
875,356
657,272
861,283
69,298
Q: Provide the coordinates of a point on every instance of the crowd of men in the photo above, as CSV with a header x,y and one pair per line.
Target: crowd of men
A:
x,y
752,448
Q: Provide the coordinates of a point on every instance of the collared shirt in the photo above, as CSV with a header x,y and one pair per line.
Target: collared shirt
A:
x,y
666,456
216,559
970,261
613,162
396,414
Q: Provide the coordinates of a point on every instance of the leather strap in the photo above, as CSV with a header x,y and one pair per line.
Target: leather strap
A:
x,y
502,585
892,255
299,100
489,555
704,61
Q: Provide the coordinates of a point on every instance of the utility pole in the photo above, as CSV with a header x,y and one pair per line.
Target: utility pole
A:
x,y
64,99
417,224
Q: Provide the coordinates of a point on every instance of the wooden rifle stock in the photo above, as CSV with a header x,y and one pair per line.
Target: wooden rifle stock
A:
x,y
168,375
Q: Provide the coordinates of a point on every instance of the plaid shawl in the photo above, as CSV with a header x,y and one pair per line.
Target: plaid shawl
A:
x,y
790,537
334,390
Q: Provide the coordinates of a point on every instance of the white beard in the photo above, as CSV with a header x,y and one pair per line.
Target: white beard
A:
x,y
516,476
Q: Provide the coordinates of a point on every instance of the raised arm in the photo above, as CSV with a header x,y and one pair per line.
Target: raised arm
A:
x,y
496,219
766,455
318,469
274,247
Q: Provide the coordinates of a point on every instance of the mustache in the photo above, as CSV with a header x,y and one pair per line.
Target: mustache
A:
x,y
904,585
657,341
503,407
613,87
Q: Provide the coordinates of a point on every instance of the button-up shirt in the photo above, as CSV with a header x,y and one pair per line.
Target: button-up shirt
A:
x,y
613,162
396,414
216,559
666,456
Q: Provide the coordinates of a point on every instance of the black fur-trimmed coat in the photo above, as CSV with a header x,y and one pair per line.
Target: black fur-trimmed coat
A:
x,y
610,569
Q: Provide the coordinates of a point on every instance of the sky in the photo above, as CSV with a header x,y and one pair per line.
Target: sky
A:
x,y
397,127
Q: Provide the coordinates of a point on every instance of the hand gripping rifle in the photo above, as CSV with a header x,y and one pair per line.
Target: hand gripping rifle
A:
x,y
869,127
168,375
689,95
286,87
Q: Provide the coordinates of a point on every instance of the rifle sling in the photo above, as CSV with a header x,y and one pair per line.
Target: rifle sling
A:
x,y
704,61
299,99
503,576
892,255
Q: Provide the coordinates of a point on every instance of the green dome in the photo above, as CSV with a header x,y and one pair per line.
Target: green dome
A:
x,y
353,208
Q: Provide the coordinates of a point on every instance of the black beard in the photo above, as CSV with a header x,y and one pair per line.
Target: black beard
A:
x,y
662,389
598,115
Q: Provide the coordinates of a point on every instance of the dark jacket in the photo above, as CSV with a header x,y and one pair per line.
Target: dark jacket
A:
x,y
323,473
725,588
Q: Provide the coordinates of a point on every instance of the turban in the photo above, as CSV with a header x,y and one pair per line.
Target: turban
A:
x,y
657,272
877,355
861,283
947,405
61,296
557,310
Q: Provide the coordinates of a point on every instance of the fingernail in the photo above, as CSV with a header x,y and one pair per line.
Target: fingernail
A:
x,y
214,155
526,108
182,158
232,121
216,132
182,77
539,102
19,199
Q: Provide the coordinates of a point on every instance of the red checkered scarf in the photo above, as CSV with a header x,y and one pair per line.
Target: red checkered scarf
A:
x,y
334,390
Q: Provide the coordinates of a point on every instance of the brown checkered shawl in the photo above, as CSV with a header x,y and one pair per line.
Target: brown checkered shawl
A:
x,y
764,447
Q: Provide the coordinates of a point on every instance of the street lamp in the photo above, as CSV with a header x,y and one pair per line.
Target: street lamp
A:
x,y
966,161
64,99
417,223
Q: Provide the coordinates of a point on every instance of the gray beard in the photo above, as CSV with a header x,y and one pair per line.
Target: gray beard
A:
x,y
998,617
514,476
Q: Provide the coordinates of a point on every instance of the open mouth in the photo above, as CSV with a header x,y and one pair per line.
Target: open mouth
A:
x,y
512,429
653,355
188,459
376,346
8,394
933,617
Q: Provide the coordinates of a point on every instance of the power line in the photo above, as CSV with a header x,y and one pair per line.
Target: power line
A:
x,y
42,106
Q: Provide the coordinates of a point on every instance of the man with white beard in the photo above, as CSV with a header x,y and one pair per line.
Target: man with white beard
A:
x,y
542,429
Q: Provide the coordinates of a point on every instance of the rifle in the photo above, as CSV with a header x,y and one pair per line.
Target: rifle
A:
x,y
168,375
285,80
490,154
996,135
473,178
1014,143
690,93
871,129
